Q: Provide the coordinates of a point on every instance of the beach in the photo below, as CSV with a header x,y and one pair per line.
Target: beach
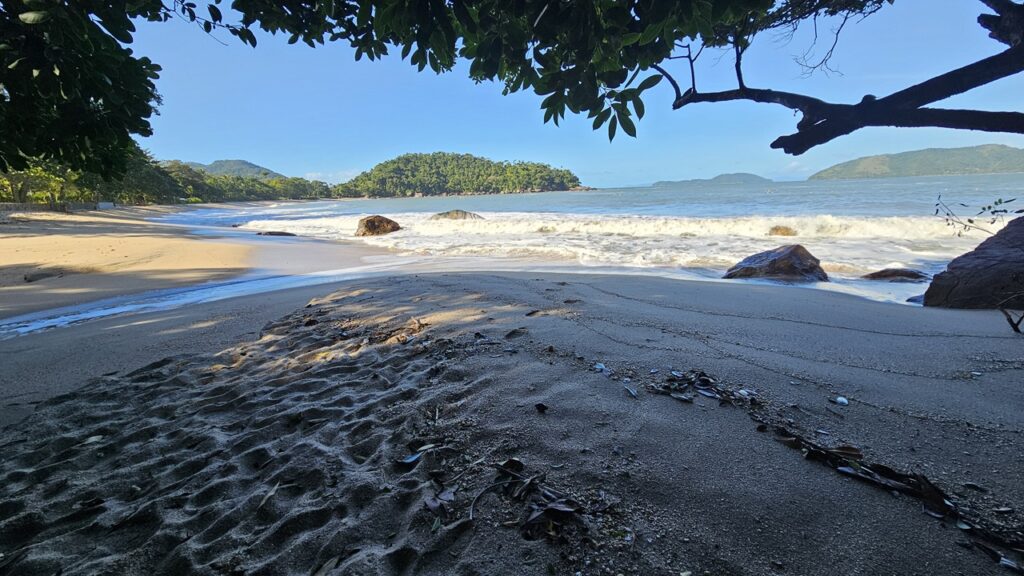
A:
x,y
508,422
75,258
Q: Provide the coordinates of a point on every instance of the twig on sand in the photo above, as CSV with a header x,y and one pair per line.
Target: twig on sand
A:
x,y
463,473
1014,324
268,495
472,505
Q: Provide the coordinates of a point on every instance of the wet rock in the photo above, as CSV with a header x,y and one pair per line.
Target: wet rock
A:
x,y
919,299
792,262
898,275
781,231
456,215
274,233
376,226
990,276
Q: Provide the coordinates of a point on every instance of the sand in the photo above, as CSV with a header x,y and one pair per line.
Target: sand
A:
x,y
356,434
93,255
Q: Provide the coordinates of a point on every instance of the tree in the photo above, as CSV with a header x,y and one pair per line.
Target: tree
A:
x,y
71,91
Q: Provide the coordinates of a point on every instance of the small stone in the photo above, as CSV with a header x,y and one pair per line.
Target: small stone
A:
x,y
842,401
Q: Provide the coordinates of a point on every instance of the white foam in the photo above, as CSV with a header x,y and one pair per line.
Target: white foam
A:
x,y
847,245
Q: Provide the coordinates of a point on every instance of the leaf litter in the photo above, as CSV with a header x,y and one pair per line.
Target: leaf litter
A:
x,y
849,461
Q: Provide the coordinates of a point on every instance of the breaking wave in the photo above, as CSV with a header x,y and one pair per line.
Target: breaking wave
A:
x,y
847,245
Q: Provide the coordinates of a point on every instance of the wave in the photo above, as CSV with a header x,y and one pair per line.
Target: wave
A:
x,y
847,245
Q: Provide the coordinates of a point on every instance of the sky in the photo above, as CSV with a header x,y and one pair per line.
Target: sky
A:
x,y
318,113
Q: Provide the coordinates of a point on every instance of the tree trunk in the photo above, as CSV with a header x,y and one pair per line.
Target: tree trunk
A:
x,y
20,192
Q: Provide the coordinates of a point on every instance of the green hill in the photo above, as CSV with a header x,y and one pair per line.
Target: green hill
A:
x,y
442,173
738,178
242,168
987,159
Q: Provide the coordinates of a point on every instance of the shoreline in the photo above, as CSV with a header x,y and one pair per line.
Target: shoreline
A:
x,y
52,260
357,422
274,435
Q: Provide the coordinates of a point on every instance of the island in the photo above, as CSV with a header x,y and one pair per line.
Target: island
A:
x,y
985,159
442,173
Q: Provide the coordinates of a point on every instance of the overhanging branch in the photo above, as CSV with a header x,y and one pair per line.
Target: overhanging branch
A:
x,y
824,121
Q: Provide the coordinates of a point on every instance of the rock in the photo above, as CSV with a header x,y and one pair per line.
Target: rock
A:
x,y
376,226
43,275
781,231
792,262
898,275
456,215
990,276
919,299
274,233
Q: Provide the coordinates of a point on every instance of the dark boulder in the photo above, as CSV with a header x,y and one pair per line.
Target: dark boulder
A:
x,y
274,233
990,276
376,226
792,262
43,274
898,275
456,215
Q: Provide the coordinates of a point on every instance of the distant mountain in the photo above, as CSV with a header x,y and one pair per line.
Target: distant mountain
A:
x,y
737,178
987,159
235,168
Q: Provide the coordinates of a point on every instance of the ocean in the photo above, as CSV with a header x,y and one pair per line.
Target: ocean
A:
x,y
691,230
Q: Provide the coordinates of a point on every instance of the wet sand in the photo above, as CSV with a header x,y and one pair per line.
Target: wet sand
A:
x,y
357,435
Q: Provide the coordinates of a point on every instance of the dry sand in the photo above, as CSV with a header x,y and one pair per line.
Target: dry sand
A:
x,y
284,454
88,256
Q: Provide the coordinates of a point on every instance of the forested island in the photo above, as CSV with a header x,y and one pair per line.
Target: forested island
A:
x,y
148,181
441,173
986,159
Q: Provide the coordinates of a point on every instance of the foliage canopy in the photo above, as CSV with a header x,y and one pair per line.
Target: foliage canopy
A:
x,y
147,181
72,92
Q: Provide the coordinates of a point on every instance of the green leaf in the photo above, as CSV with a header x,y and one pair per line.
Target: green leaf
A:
x,y
650,33
611,128
631,38
627,124
602,117
649,82
638,105
34,17
215,14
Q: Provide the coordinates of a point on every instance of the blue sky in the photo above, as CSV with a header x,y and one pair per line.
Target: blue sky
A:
x,y
318,113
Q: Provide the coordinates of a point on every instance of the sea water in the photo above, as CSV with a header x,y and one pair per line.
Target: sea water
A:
x,y
688,229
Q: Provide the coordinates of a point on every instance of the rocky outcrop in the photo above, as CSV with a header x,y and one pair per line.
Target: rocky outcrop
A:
x,y
376,226
990,276
781,231
274,233
792,262
898,275
456,215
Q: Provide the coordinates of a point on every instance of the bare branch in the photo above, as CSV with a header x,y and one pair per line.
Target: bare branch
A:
x,y
675,85
805,104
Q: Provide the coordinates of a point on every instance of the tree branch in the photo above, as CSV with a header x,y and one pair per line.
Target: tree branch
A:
x,y
824,121
828,128
915,118
675,85
805,104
